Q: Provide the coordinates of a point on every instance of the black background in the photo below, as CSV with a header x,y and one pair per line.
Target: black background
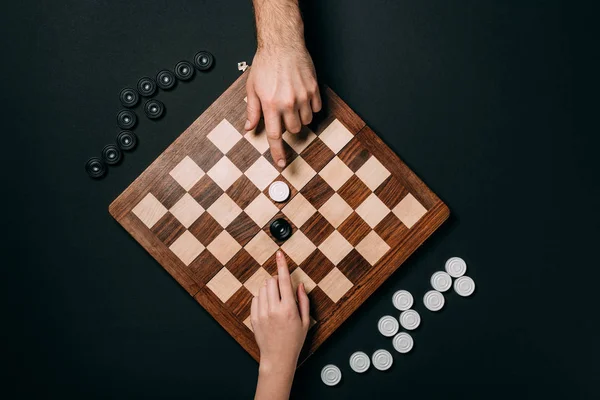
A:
x,y
491,103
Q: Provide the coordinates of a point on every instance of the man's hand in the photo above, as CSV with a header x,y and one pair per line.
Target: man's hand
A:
x,y
280,328
282,83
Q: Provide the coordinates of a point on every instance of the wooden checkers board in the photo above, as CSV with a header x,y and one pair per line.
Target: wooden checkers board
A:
x,y
202,210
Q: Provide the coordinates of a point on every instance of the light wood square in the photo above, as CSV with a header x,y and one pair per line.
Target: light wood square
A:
x,y
336,136
224,247
254,283
187,173
258,138
298,173
335,284
224,210
409,210
224,284
224,173
299,276
261,210
336,173
187,210
261,247
298,247
299,210
373,173
149,210
299,141
224,136
335,210
186,247
261,173
372,247
372,210
335,247
248,322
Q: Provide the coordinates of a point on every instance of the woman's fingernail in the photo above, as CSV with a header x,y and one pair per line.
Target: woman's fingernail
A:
x,y
281,163
247,125
279,254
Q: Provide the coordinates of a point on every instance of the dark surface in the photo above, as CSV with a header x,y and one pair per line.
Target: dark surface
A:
x,y
491,104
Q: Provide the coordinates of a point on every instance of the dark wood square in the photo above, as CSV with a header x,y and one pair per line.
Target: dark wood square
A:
x,y
205,228
168,229
317,191
317,228
243,155
354,229
240,303
205,191
243,191
391,230
242,265
205,154
391,192
320,304
317,266
354,266
354,191
290,155
293,192
167,191
242,228
317,154
271,264
267,227
354,154
204,267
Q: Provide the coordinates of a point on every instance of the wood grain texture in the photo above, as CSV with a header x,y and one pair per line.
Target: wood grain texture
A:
x,y
364,276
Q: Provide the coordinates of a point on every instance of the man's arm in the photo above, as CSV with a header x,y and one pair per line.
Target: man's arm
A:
x,y
282,85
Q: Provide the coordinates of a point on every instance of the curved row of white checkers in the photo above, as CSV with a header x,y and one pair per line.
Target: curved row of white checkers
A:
x,y
409,319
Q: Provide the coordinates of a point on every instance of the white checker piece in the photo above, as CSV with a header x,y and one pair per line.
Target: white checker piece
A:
x,y
410,319
331,375
402,300
382,359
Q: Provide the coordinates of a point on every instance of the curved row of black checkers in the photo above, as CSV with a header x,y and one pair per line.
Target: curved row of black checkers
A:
x,y
126,140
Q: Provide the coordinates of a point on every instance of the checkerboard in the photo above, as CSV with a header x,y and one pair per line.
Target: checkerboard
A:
x,y
202,210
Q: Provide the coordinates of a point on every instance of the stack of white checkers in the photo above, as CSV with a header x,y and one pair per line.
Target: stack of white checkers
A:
x,y
441,281
409,319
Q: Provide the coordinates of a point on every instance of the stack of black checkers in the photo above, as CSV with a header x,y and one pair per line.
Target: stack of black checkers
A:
x,y
126,140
